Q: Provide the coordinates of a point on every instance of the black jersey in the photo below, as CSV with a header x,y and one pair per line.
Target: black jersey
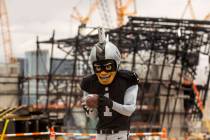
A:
x,y
108,118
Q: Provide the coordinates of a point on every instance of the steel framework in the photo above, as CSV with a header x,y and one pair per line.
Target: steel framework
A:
x,y
163,52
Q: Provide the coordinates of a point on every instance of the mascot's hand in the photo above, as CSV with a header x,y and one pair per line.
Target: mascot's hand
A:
x,y
104,101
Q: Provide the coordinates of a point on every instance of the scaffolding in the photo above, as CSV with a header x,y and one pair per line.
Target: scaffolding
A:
x,y
164,53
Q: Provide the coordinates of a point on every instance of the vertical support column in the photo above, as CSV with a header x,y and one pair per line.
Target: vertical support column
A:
x,y
52,133
37,71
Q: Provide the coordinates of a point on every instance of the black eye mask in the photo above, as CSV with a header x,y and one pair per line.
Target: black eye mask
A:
x,y
105,65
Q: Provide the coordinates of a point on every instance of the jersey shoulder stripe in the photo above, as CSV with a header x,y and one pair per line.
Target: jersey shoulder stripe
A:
x,y
130,76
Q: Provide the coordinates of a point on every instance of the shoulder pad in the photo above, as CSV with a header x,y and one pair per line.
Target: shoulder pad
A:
x,y
85,83
130,76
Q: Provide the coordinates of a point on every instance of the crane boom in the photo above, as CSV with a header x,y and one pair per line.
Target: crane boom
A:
x,y
121,10
207,17
5,31
189,5
84,19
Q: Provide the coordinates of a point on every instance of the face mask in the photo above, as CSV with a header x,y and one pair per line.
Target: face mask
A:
x,y
105,71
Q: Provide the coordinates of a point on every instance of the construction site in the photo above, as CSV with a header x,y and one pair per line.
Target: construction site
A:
x,y
40,94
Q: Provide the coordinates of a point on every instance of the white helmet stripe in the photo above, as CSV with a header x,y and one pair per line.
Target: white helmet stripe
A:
x,y
100,51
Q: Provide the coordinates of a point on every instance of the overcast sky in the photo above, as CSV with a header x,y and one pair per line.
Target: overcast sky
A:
x,y
31,18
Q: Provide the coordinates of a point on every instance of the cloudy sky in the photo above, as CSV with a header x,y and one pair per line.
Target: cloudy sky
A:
x,y
31,18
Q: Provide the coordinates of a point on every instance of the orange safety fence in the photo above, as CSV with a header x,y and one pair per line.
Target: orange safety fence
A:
x,y
27,134
52,134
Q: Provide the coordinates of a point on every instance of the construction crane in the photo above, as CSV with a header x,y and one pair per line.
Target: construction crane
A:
x,y
5,31
84,19
207,17
121,10
192,13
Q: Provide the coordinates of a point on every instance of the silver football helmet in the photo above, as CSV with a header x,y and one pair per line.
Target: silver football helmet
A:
x,y
104,50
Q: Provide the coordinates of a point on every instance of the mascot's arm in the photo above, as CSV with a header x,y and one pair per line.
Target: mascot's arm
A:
x,y
129,105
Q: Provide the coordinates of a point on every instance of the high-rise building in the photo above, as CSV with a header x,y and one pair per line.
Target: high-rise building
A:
x,y
36,63
32,59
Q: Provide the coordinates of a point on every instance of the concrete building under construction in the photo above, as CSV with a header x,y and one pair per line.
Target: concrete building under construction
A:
x,y
170,56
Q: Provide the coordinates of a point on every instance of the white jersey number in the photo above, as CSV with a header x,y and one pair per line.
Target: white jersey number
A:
x,y
107,111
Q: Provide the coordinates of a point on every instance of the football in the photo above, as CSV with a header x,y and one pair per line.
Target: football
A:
x,y
92,100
